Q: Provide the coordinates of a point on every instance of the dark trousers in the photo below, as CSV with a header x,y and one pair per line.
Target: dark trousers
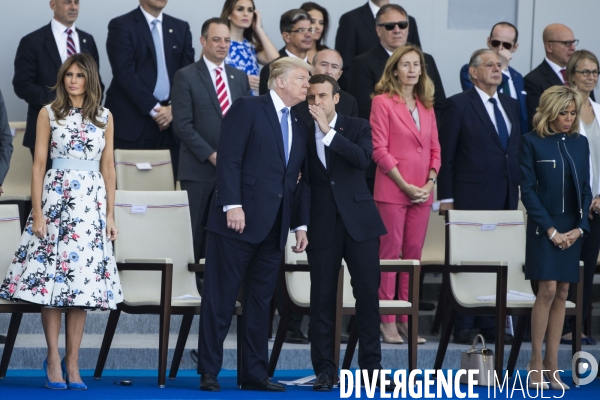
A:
x,y
229,262
362,259
199,195
154,139
589,255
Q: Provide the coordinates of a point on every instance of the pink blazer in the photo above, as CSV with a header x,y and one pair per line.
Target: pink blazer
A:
x,y
398,143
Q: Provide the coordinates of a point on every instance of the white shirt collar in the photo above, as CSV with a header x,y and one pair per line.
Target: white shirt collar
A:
x,y
374,8
389,52
58,28
212,66
290,54
331,124
555,67
485,97
149,17
279,104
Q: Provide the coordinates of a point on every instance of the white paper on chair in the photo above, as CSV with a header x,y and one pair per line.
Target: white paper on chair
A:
x,y
512,295
186,297
143,166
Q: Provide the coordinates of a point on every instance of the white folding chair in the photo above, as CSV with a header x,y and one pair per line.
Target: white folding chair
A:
x,y
144,170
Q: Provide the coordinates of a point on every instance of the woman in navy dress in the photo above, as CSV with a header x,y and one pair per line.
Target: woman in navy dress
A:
x,y
250,45
555,190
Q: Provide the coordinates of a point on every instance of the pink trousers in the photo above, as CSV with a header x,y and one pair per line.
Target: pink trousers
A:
x,y
406,227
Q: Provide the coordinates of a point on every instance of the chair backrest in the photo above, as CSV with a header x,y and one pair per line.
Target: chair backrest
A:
x,y
10,235
487,236
18,179
131,175
298,283
162,231
435,239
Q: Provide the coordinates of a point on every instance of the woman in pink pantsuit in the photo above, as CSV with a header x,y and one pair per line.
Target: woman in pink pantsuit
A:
x,y
407,153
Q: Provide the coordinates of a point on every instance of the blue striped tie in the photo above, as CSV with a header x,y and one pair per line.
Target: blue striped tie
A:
x,y
285,132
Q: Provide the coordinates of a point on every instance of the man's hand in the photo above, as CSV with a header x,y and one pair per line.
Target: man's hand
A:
x,y
594,207
236,219
254,81
445,207
213,158
301,242
163,117
319,115
505,57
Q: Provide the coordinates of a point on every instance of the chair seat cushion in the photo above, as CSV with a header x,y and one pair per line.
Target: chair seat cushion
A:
x,y
15,197
510,304
174,303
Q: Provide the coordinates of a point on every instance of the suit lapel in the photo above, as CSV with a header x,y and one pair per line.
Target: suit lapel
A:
x,y
312,147
484,116
297,127
208,84
401,110
274,120
368,20
551,76
234,85
51,47
83,45
509,113
144,30
167,29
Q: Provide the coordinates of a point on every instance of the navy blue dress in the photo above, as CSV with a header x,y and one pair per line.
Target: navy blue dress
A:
x,y
555,191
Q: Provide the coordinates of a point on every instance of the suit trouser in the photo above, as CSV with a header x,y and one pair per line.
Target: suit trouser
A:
x,y
229,262
199,195
363,265
406,227
589,255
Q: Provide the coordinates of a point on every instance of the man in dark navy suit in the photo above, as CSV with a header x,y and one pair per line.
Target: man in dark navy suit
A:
x,y
145,48
503,40
479,135
39,57
345,224
357,33
260,155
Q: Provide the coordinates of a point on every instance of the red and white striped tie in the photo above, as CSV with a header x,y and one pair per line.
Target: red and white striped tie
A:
x,y
222,92
70,44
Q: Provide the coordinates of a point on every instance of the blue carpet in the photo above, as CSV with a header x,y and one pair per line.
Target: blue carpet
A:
x,y
20,384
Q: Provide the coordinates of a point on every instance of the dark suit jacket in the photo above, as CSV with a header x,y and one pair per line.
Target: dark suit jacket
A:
x,y
346,106
36,66
264,74
6,146
517,79
367,69
542,182
476,171
132,58
356,35
342,187
251,170
536,82
197,117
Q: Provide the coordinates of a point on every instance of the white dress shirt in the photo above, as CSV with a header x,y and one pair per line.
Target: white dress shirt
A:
x,y
212,68
511,85
149,18
556,68
374,8
295,56
60,36
323,140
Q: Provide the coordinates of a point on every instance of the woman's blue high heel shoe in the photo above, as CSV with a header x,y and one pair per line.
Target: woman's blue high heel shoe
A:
x,y
71,385
50,384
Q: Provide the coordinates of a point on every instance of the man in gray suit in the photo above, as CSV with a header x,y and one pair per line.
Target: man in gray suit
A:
x,y
202,94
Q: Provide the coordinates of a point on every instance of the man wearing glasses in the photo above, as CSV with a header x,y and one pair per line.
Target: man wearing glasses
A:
x,y
559,45
503,41
296,32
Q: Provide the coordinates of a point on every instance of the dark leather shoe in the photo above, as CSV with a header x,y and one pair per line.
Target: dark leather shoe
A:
x,y
324,383
463,336
2,339
424,306
296,337
209,383
264,385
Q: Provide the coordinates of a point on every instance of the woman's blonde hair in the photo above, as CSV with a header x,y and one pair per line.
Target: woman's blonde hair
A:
x,y
92,110
390,83
555,100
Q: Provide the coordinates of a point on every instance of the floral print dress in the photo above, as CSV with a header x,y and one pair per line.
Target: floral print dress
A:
x,y
74,265
242,55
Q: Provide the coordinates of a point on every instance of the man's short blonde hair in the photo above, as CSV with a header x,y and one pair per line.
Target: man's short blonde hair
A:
x,y
281,68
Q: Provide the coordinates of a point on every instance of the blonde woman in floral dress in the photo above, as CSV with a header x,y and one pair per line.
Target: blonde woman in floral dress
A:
x,y
65,260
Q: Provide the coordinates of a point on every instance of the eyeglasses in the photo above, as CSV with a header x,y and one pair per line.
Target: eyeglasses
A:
x,y
497,43
302,31
391,25
566,43
587,72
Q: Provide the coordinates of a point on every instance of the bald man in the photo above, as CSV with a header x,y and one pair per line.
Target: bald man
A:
x,y
559,45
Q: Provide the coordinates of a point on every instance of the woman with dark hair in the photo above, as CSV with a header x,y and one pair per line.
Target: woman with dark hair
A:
x,y
319,23
250,45
555,190
65,259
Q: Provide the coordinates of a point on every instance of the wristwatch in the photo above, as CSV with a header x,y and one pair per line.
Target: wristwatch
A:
x,y
432,179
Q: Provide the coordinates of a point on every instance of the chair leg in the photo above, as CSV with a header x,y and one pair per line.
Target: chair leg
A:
x,y
444,339
499,345
109,333
516,346
279,337
439,312
11,337
352,341
163,346
239,330
413,329
271,317
184,331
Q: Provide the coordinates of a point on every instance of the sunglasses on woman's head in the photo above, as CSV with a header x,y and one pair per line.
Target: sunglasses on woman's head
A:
x,y
391,25
506,45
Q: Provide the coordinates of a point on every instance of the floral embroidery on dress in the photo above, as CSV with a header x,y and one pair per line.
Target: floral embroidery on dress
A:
x,y
242,55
